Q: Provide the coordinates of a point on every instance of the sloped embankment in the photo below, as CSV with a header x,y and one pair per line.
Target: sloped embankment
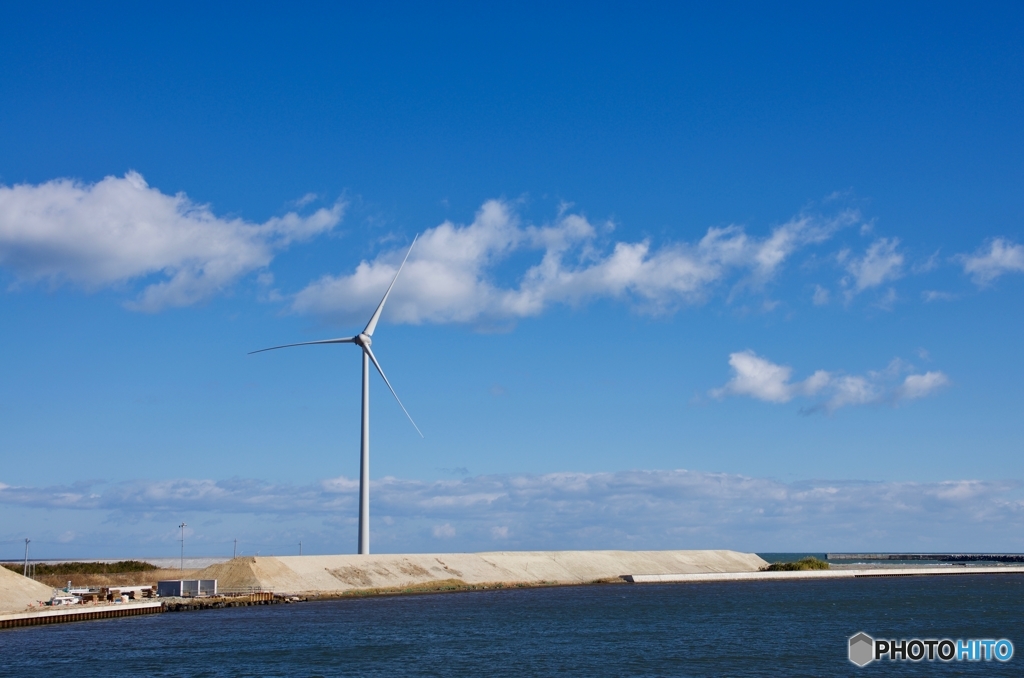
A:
x,y
18,592
340,574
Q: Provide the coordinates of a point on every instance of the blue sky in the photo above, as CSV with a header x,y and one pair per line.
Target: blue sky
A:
x,y
743,277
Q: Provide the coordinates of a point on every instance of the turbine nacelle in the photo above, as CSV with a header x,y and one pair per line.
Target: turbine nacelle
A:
x,y
362,339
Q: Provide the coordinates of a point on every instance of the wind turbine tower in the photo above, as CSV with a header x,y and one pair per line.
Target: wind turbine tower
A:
x,y
363,340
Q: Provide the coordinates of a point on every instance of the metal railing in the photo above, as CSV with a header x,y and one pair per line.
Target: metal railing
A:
x,y
242,590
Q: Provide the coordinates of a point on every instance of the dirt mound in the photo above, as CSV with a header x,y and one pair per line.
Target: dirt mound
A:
x,y
249,572
18,592
237,573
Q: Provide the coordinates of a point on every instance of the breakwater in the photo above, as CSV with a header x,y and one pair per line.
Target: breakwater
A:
x,y
223,602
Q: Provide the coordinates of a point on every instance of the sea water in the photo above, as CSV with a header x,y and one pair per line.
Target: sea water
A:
x,y
708,629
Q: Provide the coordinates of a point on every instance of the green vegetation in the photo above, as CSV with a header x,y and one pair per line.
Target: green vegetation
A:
x,y
120,567
810,563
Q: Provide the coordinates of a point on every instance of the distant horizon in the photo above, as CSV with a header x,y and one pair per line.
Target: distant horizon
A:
x,y
773,556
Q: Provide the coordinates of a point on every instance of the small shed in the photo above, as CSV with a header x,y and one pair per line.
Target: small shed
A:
x,y
187,588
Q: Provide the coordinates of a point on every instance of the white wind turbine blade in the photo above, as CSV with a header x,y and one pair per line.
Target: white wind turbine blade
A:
x,y
377,365
372,325
343,340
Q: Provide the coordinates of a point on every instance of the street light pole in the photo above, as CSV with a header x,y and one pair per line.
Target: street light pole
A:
x,y
182,526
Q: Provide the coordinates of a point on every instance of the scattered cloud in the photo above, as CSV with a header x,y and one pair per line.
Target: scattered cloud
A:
x,y
888,300
762,379
821,296
121,230
997,257
445,531
935,295
880,264
305,200
759,378
920,385
628,509
450,276
928,265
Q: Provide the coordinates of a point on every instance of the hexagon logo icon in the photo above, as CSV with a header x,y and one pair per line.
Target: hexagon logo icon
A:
x,y
862,649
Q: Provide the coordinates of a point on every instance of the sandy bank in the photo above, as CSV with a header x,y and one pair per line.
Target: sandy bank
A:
x,y
17,593
340,574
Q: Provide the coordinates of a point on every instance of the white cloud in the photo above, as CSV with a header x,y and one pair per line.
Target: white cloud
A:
x,y
445,531
928,265
852,390
880,264
936,295
450,276
762,379
628,509
306,199
888,300
920,385
997,257
120,230
821,296
759,378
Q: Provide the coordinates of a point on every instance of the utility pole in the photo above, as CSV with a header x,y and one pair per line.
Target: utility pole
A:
x,y
182,526
27,540
234,551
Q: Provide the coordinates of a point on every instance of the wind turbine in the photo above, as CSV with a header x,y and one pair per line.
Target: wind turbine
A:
x,y
364,340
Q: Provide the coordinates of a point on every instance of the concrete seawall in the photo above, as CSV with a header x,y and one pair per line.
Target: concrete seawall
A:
x,y
341,574
818,574
62,615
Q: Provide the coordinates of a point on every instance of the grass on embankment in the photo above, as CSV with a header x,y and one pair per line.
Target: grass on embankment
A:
x,y
810,563
450,586
123,572
120,567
